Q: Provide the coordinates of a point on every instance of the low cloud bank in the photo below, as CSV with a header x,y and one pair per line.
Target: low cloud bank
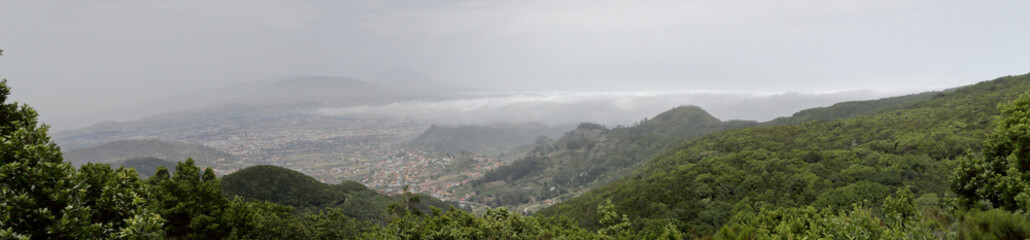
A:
x,y
608,108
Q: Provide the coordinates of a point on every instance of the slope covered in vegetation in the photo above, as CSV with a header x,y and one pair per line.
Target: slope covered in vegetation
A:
x,y
291,188
591,155
701,185
850,109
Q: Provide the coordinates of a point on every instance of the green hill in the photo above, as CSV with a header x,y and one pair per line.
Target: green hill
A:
x,y
146,167
697,186
287,187
116,151
590,156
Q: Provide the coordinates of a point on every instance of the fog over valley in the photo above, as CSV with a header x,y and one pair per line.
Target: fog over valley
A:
x,y
348,97
607,108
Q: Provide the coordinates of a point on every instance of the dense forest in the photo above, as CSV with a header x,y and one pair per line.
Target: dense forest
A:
x,y
951,160
945,165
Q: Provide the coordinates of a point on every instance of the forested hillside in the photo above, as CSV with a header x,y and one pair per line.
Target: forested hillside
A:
x,y
850,109
561,169
591,155
820,167
287,187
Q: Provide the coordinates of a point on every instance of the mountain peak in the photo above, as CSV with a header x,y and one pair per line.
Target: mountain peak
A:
x,y
691,113
682,121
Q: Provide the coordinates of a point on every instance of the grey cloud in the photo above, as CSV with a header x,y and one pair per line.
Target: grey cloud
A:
x,y
608,108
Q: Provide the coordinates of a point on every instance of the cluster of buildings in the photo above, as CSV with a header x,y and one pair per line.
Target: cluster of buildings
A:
x,y
280,146
372,153
435,174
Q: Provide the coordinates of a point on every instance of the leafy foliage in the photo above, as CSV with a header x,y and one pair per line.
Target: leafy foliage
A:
x,y
45,198
117,200
192,203
1001,176
995,224
494,224
40,197
274,221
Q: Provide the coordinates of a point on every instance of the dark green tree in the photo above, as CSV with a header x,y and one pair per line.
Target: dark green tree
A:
x,y
498,223
614,226
900,207
117,201
1000,177
40,198
193,204
406,204
44,197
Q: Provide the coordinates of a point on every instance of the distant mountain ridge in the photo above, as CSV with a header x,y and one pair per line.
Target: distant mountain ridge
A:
x,y
117,151
249,101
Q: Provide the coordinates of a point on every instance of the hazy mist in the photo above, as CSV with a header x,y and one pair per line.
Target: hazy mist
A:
x,y
74,59
608,108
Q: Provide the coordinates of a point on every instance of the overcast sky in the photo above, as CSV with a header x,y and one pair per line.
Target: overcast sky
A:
x,y
69,58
